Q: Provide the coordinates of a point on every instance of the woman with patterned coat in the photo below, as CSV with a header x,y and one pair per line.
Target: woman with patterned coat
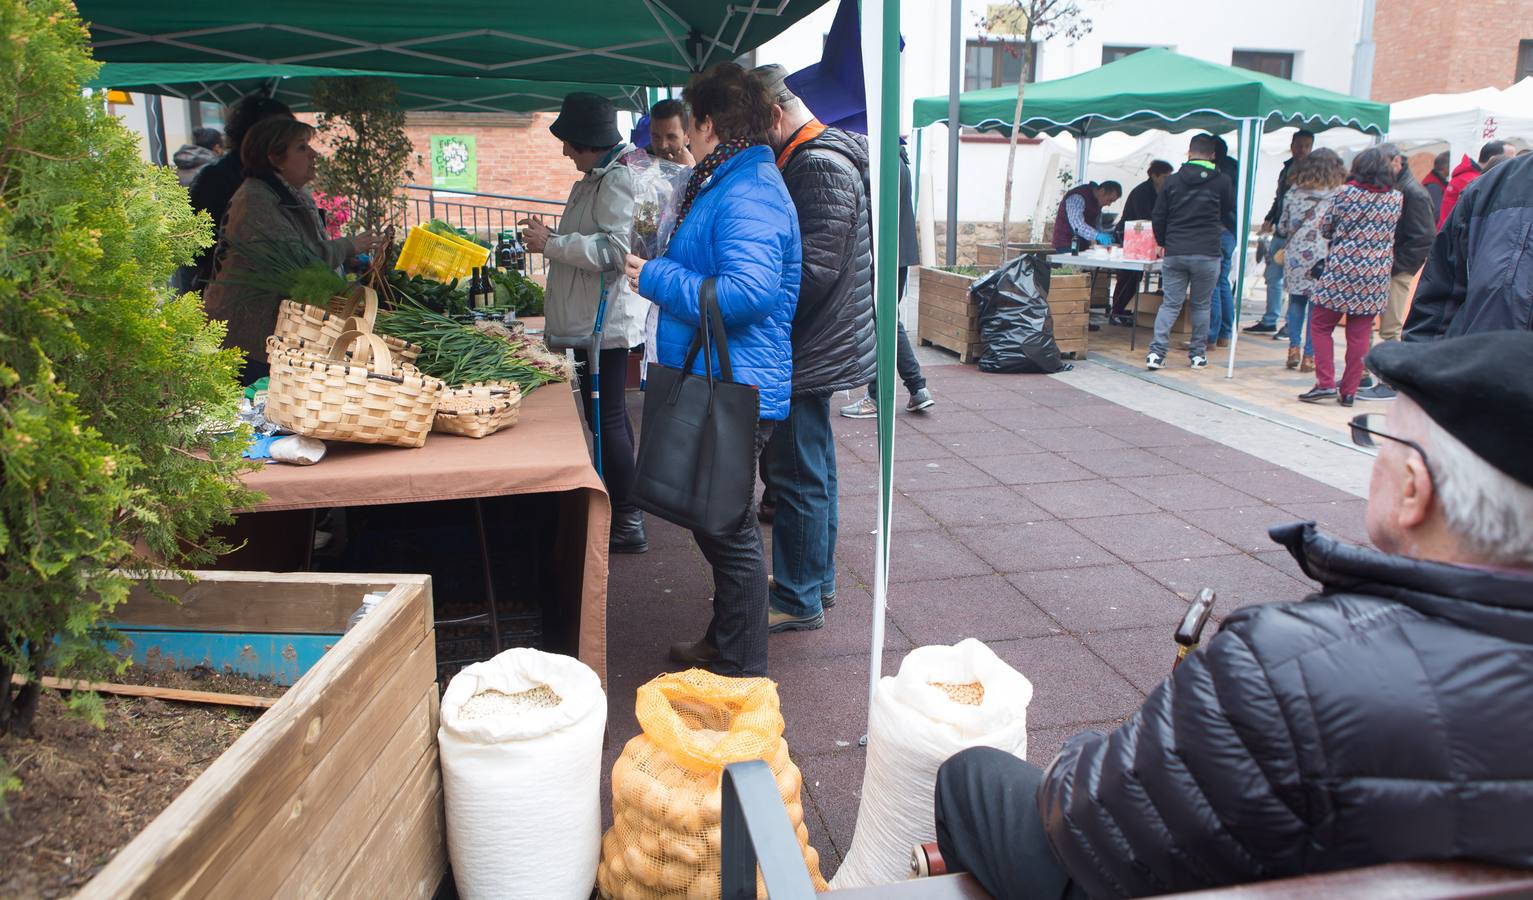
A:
x,y
1360,226
1312,182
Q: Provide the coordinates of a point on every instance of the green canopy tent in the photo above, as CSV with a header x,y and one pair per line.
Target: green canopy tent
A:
x,y
1157,89
225,83
634,42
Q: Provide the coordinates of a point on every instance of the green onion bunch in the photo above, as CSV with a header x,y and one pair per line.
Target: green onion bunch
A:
x,y
461,353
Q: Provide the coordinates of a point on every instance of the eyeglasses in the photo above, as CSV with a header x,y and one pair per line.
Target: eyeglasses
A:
x,y
1368,426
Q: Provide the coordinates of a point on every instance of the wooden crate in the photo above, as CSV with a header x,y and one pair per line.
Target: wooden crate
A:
x,y
988,256
335,791
1069,311
949,317
1149,305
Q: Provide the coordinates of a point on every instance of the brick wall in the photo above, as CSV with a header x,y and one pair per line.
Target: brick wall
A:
x,y
1433,46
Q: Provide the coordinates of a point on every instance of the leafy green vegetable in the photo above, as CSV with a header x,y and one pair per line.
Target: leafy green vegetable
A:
x,y
460,353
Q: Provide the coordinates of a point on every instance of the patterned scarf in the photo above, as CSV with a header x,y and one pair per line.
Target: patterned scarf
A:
x,y
704,171
1369,186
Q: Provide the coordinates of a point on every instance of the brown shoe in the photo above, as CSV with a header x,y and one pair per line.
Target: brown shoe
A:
x,y
1308,365
694,653
1222,342
1294,353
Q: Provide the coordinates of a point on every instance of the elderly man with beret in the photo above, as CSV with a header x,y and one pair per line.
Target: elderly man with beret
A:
x,y
1388,717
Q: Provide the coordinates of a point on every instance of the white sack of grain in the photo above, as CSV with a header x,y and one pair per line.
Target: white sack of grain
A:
x,y
520,743
944,699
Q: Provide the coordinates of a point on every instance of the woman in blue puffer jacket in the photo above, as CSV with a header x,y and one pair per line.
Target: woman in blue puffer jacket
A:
x,y
737,226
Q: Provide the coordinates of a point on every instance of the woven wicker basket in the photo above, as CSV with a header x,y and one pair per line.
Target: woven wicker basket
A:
x,y
366,400
480,409
313,329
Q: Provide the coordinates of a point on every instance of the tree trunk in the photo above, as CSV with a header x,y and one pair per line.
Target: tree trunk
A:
x,y
1011,148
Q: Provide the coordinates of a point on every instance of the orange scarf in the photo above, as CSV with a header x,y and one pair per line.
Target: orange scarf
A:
x,y
811,130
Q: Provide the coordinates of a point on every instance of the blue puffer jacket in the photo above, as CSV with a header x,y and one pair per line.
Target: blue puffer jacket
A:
x,y
742,232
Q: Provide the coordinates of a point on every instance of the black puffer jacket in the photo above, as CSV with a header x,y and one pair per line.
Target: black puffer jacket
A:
x,y
833,346
1416,229
1386,718
1479,276
1193,206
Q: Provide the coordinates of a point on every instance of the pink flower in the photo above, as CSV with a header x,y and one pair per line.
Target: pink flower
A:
x,y
337,212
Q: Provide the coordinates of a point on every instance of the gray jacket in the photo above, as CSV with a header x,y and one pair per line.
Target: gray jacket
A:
x,y
257,213
588,247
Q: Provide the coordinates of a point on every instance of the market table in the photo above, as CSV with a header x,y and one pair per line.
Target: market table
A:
x,y
1098,264
544,453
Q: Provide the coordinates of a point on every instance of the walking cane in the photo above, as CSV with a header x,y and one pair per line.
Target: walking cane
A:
x,y
595,356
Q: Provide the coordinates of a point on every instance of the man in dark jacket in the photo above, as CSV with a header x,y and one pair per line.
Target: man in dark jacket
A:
x,y
1137,208
1479,275
1382,719
825,170
906,364
206,146
217,182
1189,217
1299,146
1436,183
1413,240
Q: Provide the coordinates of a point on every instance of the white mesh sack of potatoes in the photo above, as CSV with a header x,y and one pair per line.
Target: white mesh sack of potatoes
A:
x,y
944,699
520,743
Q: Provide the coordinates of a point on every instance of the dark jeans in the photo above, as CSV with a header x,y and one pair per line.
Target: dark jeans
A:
x,y
1123,292
739,625
905,363
988,825
801,468
1221,318
617,459
905,356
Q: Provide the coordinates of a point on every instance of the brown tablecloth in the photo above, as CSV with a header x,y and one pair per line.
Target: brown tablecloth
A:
x,y
545,452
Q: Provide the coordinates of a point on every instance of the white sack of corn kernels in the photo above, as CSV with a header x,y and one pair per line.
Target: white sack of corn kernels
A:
x,y
944,699
520,744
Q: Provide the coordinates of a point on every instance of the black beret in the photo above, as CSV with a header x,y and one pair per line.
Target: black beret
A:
x,y
1478,388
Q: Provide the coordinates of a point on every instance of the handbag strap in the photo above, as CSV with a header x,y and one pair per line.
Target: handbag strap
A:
x,y
710,324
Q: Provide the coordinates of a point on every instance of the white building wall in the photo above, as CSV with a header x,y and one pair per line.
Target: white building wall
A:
x,y
1320,33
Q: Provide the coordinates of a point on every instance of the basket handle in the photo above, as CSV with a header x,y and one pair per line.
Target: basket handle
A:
x,y
373,350
368,299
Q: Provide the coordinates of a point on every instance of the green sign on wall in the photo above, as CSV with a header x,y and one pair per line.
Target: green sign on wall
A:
x,y
454,164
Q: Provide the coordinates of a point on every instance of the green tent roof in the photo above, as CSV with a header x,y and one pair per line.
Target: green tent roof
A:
x,y
635,42
1158,90
227,82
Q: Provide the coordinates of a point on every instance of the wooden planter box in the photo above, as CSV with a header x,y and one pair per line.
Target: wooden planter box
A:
x,y
949,318
988,256
336,790
1069,311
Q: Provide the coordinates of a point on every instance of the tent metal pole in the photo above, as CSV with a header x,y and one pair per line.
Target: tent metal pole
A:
x,y
954,85
1250,149
886,185
1082,159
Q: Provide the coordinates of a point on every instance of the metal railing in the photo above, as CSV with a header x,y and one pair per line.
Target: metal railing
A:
x,y
483,215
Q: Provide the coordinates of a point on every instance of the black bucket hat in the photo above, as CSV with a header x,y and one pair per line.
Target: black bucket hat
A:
x,y
587,119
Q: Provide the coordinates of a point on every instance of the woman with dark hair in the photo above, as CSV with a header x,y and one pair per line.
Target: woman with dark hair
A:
x,y
736,225
1312,182
272,206
1360,225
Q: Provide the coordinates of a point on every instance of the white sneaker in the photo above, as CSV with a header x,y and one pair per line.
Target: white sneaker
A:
x,y
1154,361
1199,362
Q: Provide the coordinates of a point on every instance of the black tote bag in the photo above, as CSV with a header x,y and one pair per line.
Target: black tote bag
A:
x,y
697,448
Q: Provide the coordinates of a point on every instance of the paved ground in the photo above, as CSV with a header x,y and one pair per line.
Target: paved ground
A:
x,y
1065,530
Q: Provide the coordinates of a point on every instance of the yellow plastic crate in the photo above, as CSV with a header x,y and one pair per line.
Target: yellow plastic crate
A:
x,y
439,258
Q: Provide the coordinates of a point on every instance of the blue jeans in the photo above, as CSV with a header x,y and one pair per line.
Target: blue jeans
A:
x,y
1298,323
801,467
1221,312
1274,276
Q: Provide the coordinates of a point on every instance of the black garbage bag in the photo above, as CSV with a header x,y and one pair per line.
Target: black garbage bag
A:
x,y
1013,319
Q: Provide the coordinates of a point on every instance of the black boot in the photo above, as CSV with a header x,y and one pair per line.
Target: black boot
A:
x,y
628,531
